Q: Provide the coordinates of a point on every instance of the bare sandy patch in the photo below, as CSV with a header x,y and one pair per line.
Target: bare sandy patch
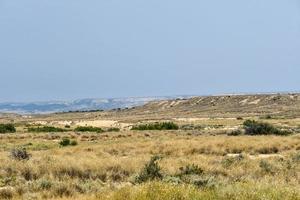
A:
x,y
103,123
255,102
190,119
260,156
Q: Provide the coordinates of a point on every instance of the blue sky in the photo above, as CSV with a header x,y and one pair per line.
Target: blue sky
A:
x,y
70,49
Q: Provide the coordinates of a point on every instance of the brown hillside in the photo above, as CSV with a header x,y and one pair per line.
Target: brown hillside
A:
x,y
221,106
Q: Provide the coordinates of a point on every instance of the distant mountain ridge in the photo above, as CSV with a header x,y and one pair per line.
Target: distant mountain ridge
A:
x,y
78,105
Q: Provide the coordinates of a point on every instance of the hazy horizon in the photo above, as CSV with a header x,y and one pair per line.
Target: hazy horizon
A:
x,y
68,50
174,95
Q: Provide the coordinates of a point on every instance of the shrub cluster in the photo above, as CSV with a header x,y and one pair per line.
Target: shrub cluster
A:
x,y
190,174
88,129
156,126
45,129
7,128
67,142
253,127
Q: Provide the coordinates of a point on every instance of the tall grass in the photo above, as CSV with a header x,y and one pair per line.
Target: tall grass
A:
x,y
235,191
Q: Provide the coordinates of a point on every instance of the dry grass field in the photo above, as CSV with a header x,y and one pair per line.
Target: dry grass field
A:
x,y
200,160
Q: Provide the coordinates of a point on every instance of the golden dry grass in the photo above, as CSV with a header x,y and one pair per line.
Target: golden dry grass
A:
x,y
110,161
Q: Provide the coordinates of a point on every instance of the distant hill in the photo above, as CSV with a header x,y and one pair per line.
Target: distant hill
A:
x,y
284,104
77,105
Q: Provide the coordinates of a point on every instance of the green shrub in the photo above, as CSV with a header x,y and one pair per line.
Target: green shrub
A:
x,y
88,129
7,128
45,129
253,127
151,171
156,126
67,142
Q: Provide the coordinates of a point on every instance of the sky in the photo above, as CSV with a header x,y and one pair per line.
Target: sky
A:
x,y
72,49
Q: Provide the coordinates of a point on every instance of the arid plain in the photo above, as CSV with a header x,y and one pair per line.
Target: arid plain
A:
x,y
215,147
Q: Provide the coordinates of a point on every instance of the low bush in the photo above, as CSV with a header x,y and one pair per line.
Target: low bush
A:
x,y
73,143
7,128
253,127
194,175
67,142
187,127
62,190
266,117
6,193
19,154
266,167
227,162
190,170
235,133
296,157
113,130
151,171
45,129
45,184
156,126
28,173
88,129
268,150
